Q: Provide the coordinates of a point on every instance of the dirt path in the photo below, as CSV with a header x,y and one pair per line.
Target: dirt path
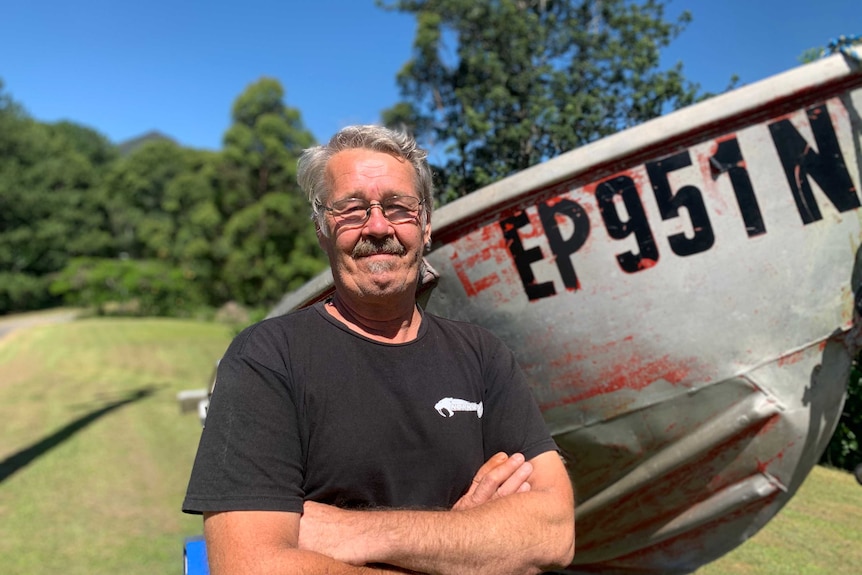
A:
x,y
8,324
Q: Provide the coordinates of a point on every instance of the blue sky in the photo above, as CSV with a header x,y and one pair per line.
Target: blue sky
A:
x,y
126,68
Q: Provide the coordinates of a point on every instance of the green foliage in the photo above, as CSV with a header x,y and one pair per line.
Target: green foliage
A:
x,y
128,287
136,195
273,249
261,146
25,291
160,229
269,242
504,85
844,450
92,145
163,206
839,44
48,211
810,55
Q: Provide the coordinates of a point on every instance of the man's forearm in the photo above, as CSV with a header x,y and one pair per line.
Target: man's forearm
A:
x,y
248,543
526,532
297,562
472,541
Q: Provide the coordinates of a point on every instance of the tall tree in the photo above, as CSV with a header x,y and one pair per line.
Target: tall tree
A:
x,y
269,242
262,145
500,85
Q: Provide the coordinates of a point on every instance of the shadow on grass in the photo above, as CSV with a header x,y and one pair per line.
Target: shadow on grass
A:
x,y
21,459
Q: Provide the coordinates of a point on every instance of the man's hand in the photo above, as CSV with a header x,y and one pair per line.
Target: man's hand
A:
x,y
500,476
327,529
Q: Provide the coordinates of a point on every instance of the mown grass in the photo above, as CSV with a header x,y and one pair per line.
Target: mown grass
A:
x,y
94,459
95,454
819,531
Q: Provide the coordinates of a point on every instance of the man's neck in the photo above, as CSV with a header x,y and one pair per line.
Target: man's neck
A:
x,y
388,324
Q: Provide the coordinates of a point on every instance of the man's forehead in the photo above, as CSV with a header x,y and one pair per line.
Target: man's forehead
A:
x,y
362,167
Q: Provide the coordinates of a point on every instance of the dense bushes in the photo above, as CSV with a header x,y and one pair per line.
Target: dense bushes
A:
x,y
157,229
844,448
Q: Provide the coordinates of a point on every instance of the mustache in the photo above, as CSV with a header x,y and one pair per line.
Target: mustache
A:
x,y
373,246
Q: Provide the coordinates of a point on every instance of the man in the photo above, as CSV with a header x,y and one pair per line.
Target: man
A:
x,y
363,435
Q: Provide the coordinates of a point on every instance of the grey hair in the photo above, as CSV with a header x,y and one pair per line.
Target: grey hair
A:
x,y
311,168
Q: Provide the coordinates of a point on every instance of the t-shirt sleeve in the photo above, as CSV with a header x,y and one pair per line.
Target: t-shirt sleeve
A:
x,y
250,452
514,424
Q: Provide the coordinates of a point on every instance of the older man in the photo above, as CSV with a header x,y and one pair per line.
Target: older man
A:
x,y
363,435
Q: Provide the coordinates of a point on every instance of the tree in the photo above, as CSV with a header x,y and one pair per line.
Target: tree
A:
x,y
163,210
500,85
135,190
845,447
273,249
842,44
261,146
48,209
269,244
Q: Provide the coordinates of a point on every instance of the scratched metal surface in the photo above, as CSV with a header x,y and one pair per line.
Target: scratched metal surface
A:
x,y
680,296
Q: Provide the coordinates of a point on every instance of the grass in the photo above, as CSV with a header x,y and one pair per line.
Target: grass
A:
x,y
95,456
818,531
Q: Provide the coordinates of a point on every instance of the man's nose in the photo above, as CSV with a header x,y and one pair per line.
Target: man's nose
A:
x,y
377,224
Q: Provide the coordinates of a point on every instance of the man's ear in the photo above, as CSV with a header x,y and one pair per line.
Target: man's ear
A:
x,y
427,234
321,238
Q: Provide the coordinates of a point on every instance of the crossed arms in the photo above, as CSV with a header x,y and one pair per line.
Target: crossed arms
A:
x,y
516,518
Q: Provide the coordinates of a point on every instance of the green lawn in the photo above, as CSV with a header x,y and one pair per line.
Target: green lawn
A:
x,y
95,452
95,458
819,531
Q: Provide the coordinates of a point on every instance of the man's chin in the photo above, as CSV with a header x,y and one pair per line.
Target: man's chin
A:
x,y
380,266
384,282
379,276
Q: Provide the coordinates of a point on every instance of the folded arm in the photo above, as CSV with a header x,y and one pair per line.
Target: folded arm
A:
x,y
517,517
528,531
265,543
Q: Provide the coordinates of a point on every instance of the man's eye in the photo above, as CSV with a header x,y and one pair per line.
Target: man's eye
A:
x,y
350,207
401,204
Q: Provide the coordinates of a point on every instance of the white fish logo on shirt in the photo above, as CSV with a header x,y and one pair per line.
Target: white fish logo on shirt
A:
x,y
449,405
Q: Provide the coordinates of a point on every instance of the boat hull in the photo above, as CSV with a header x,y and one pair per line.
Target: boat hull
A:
x,y
681,299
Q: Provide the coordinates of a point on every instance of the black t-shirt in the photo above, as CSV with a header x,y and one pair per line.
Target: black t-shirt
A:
x,y
305,408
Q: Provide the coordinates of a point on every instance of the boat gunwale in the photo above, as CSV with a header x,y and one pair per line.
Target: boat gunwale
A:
x,y
721,114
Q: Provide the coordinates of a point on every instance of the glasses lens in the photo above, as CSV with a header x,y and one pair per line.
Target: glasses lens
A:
x,y
350,211
401,209
355,211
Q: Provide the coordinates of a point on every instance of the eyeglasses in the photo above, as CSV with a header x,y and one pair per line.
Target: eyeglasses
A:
x,y
356,211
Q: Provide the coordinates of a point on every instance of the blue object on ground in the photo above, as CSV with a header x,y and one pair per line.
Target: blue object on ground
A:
x,y
195,557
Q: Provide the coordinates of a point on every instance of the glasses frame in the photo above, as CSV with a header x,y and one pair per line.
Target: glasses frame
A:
x,y
382,205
